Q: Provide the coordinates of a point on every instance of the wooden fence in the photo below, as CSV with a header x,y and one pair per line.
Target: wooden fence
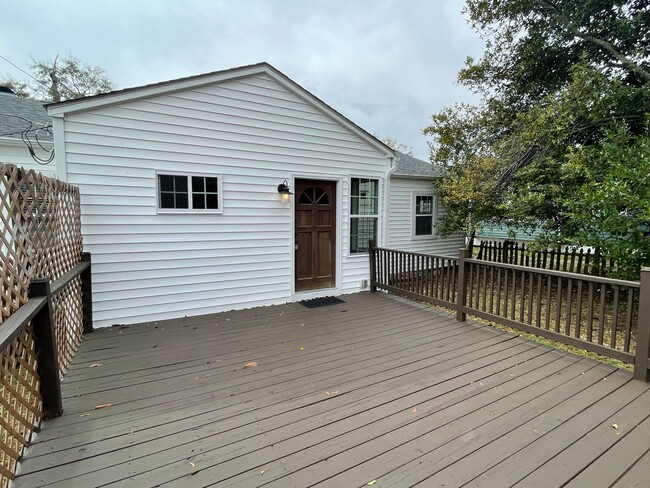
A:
x,y
45,302
575,260
606,316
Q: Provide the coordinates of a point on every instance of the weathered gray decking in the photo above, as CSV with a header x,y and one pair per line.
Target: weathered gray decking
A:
x,y
375,389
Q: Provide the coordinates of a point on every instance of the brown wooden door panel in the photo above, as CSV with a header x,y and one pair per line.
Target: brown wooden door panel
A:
x,y
315,234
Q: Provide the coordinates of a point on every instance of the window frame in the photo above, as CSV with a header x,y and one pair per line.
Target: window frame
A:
x,y
358,216
414,215
190,203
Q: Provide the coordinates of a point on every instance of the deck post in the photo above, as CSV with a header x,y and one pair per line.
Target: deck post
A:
x,y
643,329
45,338
461,293
372,254
87,293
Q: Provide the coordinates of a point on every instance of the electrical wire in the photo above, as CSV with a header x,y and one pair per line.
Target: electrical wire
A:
x,y
45,84
20,69
24,136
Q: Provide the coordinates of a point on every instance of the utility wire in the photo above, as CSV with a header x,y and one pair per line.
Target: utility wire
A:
x,y
24,135
20,69
45,84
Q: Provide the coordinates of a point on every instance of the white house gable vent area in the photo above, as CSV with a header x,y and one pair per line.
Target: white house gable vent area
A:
x,y
179,193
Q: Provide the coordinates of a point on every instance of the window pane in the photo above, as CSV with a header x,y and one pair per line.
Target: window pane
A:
x,y
424,205
212,201
171,188
166,182
364,198
167,200
362,230
355,206
181,198
355,187
423,225
198,201
368,188
212,185
180,183
198,183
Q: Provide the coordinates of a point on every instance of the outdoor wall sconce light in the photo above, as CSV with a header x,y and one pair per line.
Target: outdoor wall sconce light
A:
x,y
284,191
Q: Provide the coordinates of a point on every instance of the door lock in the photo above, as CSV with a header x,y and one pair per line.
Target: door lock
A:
x,y
295,246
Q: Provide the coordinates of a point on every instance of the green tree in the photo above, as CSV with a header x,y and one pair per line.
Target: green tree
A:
x,y
557,80
61,79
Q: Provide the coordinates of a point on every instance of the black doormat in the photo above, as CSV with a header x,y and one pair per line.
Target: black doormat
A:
x,y
320,302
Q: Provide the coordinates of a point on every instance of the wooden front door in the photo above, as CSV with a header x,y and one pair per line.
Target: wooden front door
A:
x,y
315,234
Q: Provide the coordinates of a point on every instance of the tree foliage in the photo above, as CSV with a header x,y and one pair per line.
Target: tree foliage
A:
x,y
61,79
565,96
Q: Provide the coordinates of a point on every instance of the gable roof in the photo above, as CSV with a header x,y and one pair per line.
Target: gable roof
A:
x,y
13,112
409,166
191,82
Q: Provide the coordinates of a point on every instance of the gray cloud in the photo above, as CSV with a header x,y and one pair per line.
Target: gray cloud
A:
x,y
387,65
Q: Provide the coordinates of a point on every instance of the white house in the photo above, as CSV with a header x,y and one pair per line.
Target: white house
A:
x,y
181,206
23,118
414,209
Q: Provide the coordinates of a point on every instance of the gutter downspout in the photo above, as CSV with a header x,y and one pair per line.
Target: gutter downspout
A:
x,y
386,210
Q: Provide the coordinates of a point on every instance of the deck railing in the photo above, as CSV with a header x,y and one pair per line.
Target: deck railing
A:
x,y
606,316
45,302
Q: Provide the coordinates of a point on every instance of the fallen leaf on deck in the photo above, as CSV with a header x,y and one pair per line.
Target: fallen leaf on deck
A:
x,y
191,463
252,364
103,405
84,415
95,365
302,348
370,483
415,409
614,426
264,470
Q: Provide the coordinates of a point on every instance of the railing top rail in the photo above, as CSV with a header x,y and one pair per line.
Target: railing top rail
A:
x,y
67,277
561,274
439,256
12,326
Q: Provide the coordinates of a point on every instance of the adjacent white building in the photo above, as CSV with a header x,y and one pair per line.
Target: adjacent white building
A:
x,y
25,118
181,207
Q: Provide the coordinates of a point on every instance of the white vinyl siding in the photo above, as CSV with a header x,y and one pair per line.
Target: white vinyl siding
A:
x,y
254,133
401,219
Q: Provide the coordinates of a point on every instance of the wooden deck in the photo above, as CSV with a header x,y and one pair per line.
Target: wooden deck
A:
x,y
376,391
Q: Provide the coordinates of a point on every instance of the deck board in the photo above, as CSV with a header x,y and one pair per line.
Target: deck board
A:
x,y
377,388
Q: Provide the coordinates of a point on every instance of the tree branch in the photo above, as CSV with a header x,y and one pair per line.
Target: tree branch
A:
x,y
607,46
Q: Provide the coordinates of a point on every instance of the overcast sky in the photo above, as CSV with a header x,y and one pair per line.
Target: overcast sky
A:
x,y
386,65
